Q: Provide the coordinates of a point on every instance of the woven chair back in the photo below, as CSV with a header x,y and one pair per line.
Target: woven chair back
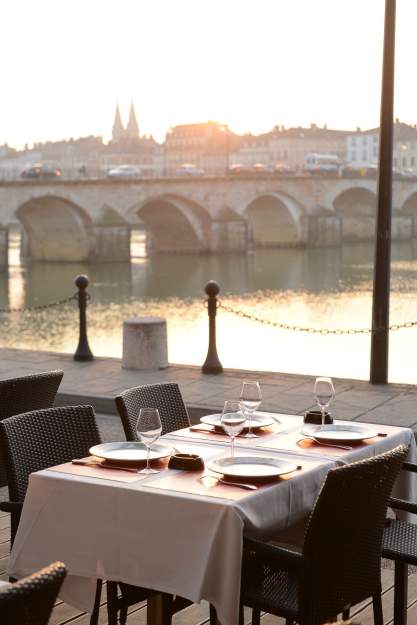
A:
x,y
166,397
44,438
344,535
31,392
31,601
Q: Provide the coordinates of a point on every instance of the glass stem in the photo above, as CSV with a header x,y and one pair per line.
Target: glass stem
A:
x,y
232,452
148,450
250,423
323,418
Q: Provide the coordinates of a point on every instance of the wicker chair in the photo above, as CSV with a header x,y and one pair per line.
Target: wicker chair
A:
x,y
400,545
340,562
31,392
40,439
166,397
30,601
174,416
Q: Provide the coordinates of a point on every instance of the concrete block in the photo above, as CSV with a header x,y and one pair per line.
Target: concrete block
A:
x,y
145,344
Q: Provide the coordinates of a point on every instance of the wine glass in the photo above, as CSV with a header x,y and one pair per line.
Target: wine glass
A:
x,y
148,430
324,393
233,421
250,400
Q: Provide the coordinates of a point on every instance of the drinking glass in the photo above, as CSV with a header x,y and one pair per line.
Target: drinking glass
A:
x,y
148,429
324,393
233,421
250,400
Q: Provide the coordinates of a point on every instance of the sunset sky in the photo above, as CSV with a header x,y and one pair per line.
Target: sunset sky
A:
x,y
251,64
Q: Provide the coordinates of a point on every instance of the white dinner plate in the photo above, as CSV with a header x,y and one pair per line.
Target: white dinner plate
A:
x,y
130,451
251,466
339,432
258,420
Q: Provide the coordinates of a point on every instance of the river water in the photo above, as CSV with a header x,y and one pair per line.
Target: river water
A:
x,y
319,288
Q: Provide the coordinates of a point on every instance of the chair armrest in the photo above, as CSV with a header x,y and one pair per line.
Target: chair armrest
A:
x,y
401,504
278,557
409,466
15,507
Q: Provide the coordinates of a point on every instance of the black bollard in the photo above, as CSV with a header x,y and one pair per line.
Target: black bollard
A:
x,y
212,363
83,351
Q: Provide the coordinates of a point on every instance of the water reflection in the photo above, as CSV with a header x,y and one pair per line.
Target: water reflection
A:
x,y
329,287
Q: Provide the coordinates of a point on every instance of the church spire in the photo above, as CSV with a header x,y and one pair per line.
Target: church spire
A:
x,y
118,130
132,128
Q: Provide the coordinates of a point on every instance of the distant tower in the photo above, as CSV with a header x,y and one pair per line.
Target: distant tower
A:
x,y
118,130
132,128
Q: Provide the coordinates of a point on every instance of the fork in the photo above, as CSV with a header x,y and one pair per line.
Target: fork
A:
x,y
223,481
311,438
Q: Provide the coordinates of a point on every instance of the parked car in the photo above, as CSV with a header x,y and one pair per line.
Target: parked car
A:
x,y
189,169
238,169
283,169
41,170
124,171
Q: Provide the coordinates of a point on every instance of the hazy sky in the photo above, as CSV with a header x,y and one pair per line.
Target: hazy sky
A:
x,y
249,63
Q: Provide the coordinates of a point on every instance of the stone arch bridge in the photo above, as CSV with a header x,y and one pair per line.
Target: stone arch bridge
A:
x,y
78,220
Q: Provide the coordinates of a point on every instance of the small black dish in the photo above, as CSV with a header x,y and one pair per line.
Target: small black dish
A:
x,y
314,416
186,462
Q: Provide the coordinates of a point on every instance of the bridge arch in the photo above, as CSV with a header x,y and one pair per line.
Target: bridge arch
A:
x,y
409,206
357,207
355,201
275,220
56,229
175,224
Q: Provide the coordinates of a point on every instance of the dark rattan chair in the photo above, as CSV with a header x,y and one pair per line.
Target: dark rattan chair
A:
x,y
340,562
31,392
174,416
31,600
400,545
166,397
40,439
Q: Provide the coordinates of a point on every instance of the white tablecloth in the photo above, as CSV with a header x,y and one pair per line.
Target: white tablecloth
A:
x,y
176,542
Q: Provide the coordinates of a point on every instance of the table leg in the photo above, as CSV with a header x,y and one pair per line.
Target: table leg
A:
x,y
154,610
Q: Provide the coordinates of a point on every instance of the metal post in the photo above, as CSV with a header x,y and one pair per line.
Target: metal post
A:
x,y
212,363
381,290
83,351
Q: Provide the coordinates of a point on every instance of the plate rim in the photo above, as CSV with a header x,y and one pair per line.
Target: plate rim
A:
x,y
292,466
265,425
308,430
170,450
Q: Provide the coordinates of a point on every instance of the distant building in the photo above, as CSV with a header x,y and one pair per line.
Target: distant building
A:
x,y
253,150
207,146
127,147
362,147
289,146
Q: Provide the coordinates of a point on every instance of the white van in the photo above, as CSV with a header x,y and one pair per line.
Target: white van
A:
x,y
315,163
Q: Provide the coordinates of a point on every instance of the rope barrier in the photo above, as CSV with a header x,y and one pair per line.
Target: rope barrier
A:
x,y
324,331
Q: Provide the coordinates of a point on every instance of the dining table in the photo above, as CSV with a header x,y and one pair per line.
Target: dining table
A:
x,y
179,531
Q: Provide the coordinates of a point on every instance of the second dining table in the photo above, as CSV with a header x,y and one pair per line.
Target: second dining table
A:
x,y
176,531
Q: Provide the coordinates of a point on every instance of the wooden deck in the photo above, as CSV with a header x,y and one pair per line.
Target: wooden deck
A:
x,y
64,614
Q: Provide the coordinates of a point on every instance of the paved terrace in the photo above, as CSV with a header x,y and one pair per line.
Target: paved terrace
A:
x,y
98,382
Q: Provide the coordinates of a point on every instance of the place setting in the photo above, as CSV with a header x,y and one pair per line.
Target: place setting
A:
x,y
256,425
229,474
